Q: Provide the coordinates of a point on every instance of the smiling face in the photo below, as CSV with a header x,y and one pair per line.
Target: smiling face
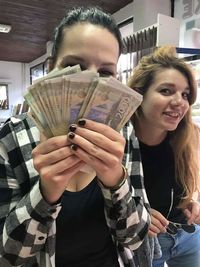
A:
x,y
91,46
165,102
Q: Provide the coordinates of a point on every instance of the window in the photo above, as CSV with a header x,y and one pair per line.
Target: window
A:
x,y
4,96
36,72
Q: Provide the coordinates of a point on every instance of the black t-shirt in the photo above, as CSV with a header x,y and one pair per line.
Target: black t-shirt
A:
x,y
83,238
159,179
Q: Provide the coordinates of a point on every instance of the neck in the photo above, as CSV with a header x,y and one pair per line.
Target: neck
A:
x,y
148,134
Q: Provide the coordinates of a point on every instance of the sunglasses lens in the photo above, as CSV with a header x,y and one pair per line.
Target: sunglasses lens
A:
x,y
171,229
188,228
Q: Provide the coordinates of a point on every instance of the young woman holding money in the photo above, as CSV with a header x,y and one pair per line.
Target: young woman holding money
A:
x,y
53,214
169,143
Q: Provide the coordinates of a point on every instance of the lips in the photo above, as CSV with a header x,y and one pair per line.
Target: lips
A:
x,y
173,114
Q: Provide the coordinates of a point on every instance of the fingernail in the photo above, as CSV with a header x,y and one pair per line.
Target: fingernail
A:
x,y
72,127
74,147
81,122
71,135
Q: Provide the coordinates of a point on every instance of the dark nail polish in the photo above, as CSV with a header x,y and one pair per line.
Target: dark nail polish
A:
x,y
72,128
81,122
71,135
74,147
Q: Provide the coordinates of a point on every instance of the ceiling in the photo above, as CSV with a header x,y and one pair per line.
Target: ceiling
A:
x,y
33,22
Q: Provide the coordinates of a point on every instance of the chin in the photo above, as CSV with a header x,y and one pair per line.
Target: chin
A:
x,y
172,127
171,130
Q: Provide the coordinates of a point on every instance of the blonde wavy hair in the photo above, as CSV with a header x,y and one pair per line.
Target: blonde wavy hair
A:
x,y
185,139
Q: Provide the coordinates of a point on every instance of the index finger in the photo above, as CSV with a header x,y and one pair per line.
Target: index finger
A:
x,y
159,217
51,144
100,128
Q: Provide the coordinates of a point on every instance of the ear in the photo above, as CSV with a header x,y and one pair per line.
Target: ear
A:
x,y
48,64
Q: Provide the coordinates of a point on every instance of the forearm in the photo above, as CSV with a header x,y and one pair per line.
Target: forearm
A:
x,y
24,231
127,215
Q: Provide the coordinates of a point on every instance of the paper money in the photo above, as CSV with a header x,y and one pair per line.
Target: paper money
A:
x,y
59,72
33,101
37,97
80,89
63,96
112,103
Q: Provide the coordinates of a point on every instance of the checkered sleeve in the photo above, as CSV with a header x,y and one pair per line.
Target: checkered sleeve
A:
x,y
127,215
127,209
25,218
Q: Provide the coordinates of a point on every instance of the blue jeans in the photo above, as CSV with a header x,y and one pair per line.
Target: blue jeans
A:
x,y
180,250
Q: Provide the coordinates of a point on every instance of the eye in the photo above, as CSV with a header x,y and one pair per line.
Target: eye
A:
x,y
166,91
71,64
106,73
186,95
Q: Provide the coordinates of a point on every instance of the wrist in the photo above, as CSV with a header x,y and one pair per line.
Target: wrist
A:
x,y
120,183
51,200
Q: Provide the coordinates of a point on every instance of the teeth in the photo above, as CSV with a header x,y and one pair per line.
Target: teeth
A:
x,y
172,114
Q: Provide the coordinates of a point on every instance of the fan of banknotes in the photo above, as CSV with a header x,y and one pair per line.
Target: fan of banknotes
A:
x,y
63,96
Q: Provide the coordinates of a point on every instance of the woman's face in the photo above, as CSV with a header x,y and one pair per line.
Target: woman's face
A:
x,y
166,101
90,46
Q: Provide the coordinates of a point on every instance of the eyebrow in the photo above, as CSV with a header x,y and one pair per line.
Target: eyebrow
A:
x,y
69,57
173,85
80,59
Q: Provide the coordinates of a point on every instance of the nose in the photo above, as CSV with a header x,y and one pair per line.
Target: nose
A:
x,y
92,68
177,99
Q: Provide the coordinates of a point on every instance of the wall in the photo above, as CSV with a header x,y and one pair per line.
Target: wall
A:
x,y
188,11
20,74
122,15
145,12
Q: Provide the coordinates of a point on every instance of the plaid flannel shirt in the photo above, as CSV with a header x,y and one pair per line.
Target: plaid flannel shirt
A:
x,y
27,222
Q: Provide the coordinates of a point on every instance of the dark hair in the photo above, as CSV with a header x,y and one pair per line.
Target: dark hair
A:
x,y
93,15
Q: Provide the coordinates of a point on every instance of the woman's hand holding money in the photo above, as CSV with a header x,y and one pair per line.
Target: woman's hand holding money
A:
x,y
56,164
100,147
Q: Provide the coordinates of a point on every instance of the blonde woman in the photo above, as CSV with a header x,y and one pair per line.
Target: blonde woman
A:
x,y
169,144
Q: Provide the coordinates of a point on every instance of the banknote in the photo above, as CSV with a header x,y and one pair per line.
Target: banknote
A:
x,y
59,72
80,88
63,96
42,97
68,101
112,103
37,110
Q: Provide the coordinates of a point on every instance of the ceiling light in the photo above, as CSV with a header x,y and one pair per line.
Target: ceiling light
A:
x,y
5,28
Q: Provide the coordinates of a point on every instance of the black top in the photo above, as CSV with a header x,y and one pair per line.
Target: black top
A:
x,y
83,238
159,179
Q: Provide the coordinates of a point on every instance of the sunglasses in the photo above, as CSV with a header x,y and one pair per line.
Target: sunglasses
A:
x,y
173,228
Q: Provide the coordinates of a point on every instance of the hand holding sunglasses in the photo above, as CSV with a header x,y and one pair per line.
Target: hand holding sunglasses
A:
x,y
172,228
